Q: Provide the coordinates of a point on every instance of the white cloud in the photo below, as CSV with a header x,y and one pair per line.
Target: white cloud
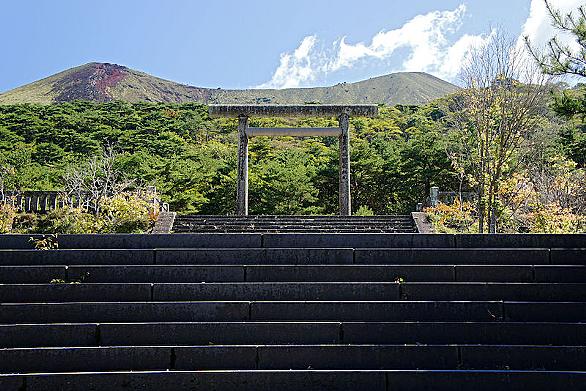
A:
x,y
459,53
538,25
426,37
294,68
539,30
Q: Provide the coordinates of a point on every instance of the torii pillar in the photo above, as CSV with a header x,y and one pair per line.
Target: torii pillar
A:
x,y
343,113
344,186
242,185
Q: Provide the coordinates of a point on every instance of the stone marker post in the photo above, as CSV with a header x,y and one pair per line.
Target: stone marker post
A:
x,y
344,187
242,186
434,196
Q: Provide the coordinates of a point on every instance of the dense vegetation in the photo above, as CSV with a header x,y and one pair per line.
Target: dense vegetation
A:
x,y
191,159
511,138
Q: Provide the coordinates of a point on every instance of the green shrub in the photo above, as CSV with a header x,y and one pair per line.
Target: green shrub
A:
x,y
25,222
455,218
364,211
67,220
553,219
45,242
7,215
126,213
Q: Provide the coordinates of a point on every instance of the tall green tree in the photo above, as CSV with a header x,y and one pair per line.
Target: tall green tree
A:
x,y
492,117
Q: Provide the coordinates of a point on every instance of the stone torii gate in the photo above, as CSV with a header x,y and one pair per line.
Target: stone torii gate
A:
x,y
342,112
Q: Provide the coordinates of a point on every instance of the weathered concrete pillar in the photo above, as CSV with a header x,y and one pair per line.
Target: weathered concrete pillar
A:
x,y
242,186
345,203
434,196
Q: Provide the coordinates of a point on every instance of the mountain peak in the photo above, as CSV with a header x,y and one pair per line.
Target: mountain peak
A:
x,y
93,81
96,81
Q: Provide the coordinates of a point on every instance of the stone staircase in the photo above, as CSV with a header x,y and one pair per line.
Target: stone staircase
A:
x,y
294,311
274,224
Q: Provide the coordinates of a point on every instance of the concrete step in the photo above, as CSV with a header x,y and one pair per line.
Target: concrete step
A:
x,y
123,312
487,333
290,222
356,240
294,227
77,257
296,380
300,230
288,291
297,224
134,241
309,226
426,240
439,256
301,217
214,229
263,333
292,256
35,293
47,293
473,311
421,311
291,273
493,291
274,357
176,256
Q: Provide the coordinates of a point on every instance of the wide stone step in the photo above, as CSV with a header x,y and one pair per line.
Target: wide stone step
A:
x,y
292,256
214,229
177,256
493,291
472,256
123,312
308,217
295,228
294,224
35,293
77,256
288,291
478,311
315,222
291,273
481,333
134,241
354,240
259,333
296,380
577,241
189,358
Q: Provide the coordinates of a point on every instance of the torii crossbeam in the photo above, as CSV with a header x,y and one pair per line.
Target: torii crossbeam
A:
x,y
342,112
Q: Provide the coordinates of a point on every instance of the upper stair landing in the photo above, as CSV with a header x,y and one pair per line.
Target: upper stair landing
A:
x,y
282,224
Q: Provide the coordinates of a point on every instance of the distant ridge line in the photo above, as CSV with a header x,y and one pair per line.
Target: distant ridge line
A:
x,y
102,82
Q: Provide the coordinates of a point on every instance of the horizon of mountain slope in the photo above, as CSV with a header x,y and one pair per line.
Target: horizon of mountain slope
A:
x,y
104,82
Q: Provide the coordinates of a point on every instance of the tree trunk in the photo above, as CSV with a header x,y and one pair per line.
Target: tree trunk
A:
x,y
481,210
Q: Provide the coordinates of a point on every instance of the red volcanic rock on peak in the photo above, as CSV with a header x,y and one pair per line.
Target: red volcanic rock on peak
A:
x,y
91,82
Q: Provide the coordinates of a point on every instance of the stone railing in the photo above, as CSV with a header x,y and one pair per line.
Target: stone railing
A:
x,y
44,201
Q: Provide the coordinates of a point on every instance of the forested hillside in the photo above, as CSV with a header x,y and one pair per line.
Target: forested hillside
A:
x,y
191,158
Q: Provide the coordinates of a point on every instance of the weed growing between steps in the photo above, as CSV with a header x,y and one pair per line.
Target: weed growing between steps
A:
x,y
45,242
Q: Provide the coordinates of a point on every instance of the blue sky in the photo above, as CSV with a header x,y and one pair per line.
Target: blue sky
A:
x,y
241,44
